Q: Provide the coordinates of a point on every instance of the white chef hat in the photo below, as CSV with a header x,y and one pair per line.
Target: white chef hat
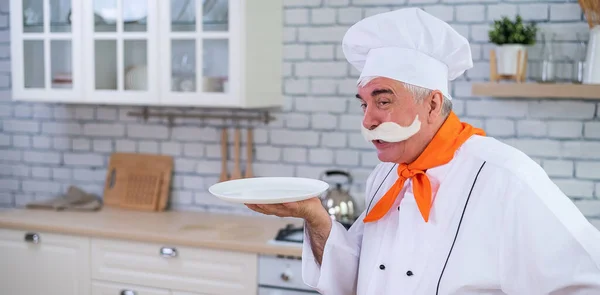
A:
x,y
408,45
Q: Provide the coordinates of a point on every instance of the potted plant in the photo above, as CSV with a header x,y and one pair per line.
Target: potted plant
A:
x,y
510,38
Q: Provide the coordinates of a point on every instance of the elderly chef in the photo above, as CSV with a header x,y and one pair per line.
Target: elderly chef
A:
x,y
448,210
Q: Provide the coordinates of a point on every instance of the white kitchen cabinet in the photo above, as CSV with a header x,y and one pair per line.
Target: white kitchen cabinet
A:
x,y
46,50
204,271
203,53
42,263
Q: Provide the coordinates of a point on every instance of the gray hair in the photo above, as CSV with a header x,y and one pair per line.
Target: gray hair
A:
x,y
419,93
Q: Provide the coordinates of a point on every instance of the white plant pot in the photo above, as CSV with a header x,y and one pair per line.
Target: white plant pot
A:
x,y
506,56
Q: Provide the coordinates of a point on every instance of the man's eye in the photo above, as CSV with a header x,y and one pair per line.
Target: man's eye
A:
x,y
363,105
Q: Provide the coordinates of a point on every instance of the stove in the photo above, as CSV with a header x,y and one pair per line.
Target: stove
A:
x,y
290,234
293,235
280,275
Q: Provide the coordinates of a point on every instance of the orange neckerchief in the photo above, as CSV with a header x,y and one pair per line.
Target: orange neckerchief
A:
x,y
439,151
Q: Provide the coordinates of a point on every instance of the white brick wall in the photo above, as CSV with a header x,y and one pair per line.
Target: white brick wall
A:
x,y
558,168
83,159
105,130
294,155
323,52
500,127
21,126
349,15
470,13
562,110
195,150
40,172
21,141
443,12
588,170
48,146
576,188
61,128
147,131
42,157
323,16
5,140
497,108
321,69
565,129
497,11
592,130
320,156
296,16
532,128
565,12
534,12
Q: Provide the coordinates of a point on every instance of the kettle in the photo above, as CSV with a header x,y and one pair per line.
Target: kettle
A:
x,y
337,201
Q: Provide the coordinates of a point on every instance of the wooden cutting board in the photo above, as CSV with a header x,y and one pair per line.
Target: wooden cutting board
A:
x,y
138,181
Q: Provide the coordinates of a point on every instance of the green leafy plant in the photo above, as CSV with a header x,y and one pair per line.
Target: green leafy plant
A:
x,y
506,31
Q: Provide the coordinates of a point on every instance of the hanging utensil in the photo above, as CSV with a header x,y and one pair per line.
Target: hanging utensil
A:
x,y
224,176
237,172
249,156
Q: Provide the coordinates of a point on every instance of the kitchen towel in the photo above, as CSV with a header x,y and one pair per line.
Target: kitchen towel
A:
x,y
74,200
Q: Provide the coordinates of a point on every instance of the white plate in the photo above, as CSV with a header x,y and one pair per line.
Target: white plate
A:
x,y
268,190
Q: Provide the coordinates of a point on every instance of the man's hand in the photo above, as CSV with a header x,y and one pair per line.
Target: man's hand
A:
x,y
318,223
306,209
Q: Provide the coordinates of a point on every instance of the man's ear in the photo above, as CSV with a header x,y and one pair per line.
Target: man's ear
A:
x,y
436,100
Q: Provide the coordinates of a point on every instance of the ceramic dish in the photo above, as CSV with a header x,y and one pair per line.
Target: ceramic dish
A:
x,y
268,190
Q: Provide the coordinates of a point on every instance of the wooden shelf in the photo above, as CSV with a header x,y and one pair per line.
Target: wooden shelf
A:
x,y
537,90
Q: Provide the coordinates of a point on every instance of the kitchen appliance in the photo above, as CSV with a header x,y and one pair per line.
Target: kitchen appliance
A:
x,y
337,201
278,275
282,275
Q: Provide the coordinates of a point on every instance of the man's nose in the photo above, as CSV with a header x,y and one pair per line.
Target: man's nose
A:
x,y
370,120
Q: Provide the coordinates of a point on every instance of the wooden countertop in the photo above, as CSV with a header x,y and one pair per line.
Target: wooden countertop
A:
x,y
177,228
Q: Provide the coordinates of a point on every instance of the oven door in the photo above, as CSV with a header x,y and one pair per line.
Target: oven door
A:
x,y
262,290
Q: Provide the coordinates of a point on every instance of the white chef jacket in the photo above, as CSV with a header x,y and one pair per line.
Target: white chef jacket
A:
x,y
517,234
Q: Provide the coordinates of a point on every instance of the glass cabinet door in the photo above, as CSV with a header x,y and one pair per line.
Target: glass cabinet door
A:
x,y
199,38
46,51
121,43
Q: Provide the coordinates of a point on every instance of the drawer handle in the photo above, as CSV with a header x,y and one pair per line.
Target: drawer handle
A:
x,y
32,238
128,292
168,252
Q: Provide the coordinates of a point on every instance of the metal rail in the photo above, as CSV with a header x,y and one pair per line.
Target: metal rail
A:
x,y
262,116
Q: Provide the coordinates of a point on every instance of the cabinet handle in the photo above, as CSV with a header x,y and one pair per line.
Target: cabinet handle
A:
x,y
32,238
286,276
168,252
128,292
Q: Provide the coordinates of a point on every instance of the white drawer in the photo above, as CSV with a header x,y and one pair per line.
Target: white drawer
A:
x,y
198,270
281,272
105,288
274,291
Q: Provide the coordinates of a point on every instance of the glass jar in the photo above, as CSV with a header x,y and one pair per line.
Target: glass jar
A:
x,y
579,60
548,63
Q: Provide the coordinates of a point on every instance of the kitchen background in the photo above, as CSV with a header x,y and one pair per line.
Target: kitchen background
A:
x,y
45,148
